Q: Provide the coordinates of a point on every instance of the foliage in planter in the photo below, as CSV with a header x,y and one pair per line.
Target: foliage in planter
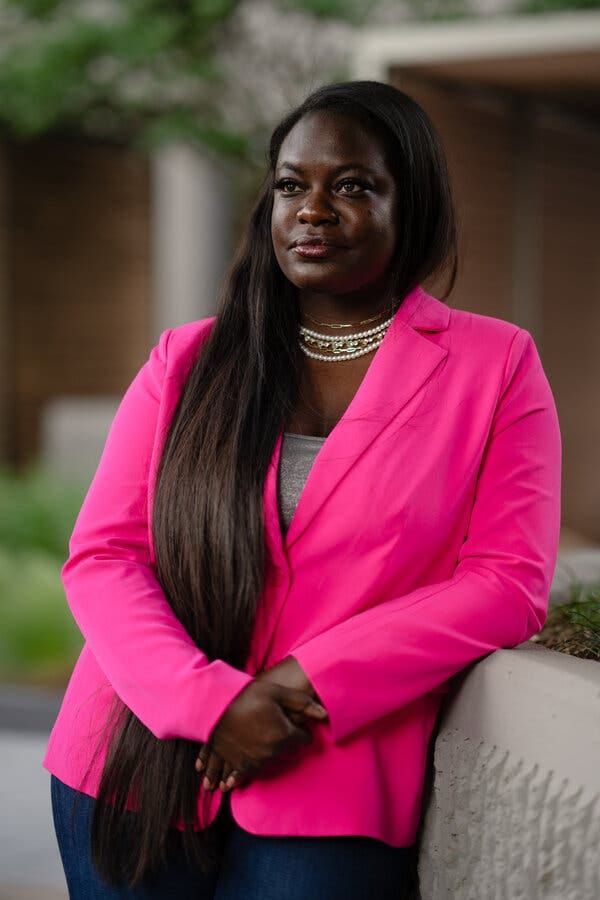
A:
x,y
574,627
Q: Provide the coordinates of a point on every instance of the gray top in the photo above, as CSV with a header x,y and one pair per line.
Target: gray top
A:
x,y
298,452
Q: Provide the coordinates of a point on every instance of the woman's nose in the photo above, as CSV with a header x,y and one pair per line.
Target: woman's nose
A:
x,y
316,210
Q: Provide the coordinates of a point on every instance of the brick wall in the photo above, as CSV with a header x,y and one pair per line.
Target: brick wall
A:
x,y
79,276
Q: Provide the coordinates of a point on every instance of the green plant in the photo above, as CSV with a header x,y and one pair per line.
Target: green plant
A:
x,y
544,6
37,512
140,71
574,627
39,640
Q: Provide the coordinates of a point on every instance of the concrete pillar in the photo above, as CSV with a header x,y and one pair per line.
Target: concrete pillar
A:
x,y
191,222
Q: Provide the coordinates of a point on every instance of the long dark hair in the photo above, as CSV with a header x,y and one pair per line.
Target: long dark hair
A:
x,y
207,522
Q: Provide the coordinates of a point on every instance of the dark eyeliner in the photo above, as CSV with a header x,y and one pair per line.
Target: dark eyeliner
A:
x,y
362,185
279,184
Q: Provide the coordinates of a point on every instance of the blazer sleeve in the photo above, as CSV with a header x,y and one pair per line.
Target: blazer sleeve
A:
x,y
146,654
380,660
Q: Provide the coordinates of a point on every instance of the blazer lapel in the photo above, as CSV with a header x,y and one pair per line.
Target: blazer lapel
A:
x,y
402,363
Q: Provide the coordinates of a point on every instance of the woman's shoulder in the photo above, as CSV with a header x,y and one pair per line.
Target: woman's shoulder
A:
x,y
432,314
484,340
185,339
475,339
178,347
468,324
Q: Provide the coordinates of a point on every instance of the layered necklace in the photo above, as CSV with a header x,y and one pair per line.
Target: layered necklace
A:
x,y
335,348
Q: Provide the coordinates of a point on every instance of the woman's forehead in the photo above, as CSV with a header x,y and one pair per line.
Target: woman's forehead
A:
x,y
330,138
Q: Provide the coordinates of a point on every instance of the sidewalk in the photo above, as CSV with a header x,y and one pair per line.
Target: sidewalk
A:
x,y
20,892
30,867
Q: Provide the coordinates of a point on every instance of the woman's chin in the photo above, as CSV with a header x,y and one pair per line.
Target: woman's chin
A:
x,y
321,282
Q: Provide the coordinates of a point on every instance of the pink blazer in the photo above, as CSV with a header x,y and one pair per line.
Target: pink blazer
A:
x,y
426,537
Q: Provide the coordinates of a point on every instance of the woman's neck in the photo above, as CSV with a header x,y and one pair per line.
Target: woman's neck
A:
x,y
342,309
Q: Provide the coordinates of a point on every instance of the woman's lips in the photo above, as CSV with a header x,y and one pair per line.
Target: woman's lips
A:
x,y
315,251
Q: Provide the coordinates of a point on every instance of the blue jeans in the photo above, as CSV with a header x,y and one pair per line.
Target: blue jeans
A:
x,y
254,867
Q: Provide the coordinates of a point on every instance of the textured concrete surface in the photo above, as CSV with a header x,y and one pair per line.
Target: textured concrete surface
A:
x,y
514,812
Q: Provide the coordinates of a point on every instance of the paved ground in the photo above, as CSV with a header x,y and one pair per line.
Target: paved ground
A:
x,y
30,867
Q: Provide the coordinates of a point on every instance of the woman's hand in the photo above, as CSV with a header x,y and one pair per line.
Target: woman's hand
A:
x,y
217,772
266,719
290,673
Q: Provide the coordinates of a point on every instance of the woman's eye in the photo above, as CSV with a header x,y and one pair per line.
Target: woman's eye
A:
x,y
286,186
351,186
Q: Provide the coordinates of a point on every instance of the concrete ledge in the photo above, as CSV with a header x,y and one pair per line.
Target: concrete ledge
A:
x,y
514,810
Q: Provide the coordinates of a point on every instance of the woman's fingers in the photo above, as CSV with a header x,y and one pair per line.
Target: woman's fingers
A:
x,y
234,779
217,772
202,758
227,770
271,708
230,778
211,764
212,771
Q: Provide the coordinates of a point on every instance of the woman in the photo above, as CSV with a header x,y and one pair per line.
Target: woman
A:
x,y
251,712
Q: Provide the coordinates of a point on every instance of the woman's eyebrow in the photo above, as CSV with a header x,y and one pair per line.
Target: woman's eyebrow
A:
x,y
345,166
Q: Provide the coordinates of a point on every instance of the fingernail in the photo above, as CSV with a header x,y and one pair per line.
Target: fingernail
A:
x,y
222,786
199,765
320,709
206,784
230,782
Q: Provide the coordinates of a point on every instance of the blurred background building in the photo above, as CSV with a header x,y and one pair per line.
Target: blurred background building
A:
x,y
118,213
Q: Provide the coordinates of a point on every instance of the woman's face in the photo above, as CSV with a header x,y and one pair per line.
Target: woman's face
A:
x,y
333,224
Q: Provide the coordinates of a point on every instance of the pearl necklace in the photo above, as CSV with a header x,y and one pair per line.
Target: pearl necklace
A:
x,y
347,347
